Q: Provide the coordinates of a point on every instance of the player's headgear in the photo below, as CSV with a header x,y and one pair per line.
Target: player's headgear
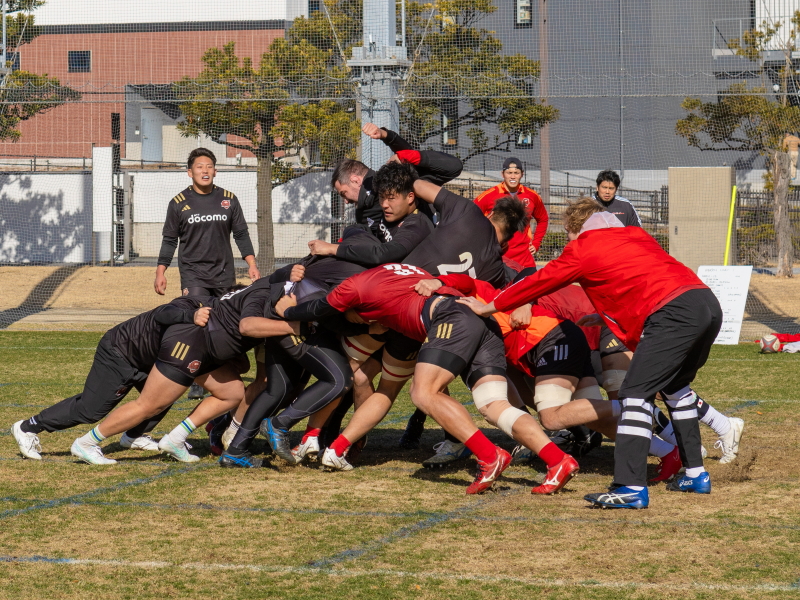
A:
x,y
608,175
197,153
395,178
513,163
511,215
346,167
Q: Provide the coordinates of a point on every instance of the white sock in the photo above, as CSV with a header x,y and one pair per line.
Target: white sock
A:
x,y
659,447
694,472
235,425
716,420
635,488
616,408
94,436
182,431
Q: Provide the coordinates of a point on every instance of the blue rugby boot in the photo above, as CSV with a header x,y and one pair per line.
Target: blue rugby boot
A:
x,y
697,485
279,440
620,497
243,460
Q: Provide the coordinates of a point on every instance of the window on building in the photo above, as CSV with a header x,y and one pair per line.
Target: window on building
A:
x,y
314,6
524,140
12,59
523,17
79,61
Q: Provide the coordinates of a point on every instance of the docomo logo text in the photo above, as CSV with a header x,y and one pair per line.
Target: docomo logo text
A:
x,y
199,218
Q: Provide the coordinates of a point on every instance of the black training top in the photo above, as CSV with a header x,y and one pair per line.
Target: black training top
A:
x,y
622,209
139,339
222,332
204,223
400,238
464,241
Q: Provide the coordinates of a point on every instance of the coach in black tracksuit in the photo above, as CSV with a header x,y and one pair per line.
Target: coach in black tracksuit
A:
x,y
606,196
202,217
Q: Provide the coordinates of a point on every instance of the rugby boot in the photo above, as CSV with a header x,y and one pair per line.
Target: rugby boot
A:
x,y
729,443
244,460
179,452
696,485
143,442
333,462
447,452
307,451
620,497
28,443
279,440
413,433
489,472
558,476
521,455
669,466
90,453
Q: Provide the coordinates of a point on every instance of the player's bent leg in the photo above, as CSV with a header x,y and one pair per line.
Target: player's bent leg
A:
x,y
394,374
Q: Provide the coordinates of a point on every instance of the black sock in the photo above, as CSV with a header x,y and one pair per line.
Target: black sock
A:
x,y
581,432
31,426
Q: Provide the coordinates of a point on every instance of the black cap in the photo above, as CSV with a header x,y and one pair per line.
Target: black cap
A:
x,y
513,163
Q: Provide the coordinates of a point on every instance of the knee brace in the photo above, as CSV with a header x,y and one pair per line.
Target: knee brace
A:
x,y
591,392
550,395
488,392
612,379
507,419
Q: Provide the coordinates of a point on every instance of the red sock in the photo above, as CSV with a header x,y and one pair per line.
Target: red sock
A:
x,y
311,432
481,447
340,445
551,455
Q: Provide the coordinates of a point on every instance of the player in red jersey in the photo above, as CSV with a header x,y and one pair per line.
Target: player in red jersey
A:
x,y
523,245
635,287
454,343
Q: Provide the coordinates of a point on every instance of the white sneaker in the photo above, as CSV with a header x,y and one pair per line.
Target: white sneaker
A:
x,y
307,450
90,453
334,462
196,391
729,443
143,442
703,452
28,442
446,452
521,455
179,452
228,436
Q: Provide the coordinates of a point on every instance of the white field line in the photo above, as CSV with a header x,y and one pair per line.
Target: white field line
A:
x,y
543,581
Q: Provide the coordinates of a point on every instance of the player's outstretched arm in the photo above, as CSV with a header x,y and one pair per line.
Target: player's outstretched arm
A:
x,y
426,190
261,327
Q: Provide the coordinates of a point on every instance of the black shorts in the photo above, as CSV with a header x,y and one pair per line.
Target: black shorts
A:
x,y
297,346
184,354
462,342
563,351
610,343
195,290
675,343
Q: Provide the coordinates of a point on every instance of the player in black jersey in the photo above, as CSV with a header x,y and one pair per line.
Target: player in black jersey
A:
x,y
188,353
124,357
353,180
202,217
606,195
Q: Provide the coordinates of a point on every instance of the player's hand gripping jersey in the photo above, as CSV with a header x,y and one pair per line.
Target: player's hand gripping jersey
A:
x,y
464,241
624,272
203,223
384,294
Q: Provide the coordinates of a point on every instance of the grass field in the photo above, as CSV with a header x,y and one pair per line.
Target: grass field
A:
x,y
151,528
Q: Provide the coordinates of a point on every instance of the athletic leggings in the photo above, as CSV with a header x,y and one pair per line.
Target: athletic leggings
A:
x,y
290,362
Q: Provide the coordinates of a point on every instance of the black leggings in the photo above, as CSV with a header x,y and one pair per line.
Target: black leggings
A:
x,y
289,367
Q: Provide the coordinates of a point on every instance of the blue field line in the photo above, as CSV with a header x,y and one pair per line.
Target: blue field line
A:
x,y
169,472
742,406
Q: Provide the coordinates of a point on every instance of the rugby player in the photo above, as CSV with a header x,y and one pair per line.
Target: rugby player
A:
x,y
453,343
189,352
523,245
606,196
634,288
124,357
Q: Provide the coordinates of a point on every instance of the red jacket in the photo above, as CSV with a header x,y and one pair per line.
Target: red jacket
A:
x,y
623,270
518,245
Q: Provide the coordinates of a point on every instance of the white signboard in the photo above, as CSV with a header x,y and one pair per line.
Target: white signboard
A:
x,y
730,285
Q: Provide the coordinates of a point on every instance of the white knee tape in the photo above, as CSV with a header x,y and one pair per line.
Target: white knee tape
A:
x,y
591,392
395,373
361,347
612,379
488,392
551,395
507,419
